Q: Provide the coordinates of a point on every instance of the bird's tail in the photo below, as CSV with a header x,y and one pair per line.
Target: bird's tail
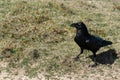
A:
x,y
105,43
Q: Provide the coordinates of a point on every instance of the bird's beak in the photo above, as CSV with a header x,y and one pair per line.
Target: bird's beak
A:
x,y
72,25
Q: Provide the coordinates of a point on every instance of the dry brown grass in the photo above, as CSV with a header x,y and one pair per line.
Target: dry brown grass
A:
x,y
36,40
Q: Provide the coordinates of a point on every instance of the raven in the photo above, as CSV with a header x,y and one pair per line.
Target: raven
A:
x,y
88,41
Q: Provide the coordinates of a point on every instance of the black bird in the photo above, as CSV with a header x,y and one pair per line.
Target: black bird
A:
x,y
88,41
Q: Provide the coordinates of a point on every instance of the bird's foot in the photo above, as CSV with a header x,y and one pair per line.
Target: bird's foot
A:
x,y
76,58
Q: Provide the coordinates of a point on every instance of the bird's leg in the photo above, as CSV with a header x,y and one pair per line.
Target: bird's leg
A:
x,y
77,57
95,62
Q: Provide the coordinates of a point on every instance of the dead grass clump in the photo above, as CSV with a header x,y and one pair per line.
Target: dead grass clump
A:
x,y
55,36
8,52
32,54
116,6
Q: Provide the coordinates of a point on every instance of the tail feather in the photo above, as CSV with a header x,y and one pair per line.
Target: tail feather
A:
x,y
105,43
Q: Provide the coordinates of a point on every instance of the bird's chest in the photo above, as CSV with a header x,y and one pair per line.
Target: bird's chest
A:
x,y
81,43
80,40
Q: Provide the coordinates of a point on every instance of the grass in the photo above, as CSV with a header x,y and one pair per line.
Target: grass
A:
x,y
35,35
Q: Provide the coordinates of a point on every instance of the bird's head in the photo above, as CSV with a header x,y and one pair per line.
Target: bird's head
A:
x,y
78,25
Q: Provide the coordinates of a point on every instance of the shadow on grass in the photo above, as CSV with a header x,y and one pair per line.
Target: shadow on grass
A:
x,y
107,57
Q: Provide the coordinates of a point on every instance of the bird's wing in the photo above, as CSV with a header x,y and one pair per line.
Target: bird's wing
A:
x,y
93,41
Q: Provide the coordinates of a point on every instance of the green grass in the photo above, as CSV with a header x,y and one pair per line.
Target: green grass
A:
x,y
26,26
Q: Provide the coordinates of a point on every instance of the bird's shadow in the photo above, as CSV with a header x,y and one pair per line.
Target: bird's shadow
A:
x,y
107,57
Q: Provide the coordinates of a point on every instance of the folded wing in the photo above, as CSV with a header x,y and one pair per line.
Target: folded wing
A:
x,y
94,42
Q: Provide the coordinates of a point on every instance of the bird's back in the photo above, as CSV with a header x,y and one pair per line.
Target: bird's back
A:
x,y
95,43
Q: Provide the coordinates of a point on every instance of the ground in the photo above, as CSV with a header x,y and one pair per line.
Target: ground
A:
x,y
37,42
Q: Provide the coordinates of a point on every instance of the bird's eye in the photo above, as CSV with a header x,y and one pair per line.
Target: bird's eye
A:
x,y
79,24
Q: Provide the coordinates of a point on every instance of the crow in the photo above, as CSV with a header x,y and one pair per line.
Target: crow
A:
x,y
88,41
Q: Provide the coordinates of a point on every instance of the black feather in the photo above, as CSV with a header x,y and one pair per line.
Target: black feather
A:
x,y
88,41
106,43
